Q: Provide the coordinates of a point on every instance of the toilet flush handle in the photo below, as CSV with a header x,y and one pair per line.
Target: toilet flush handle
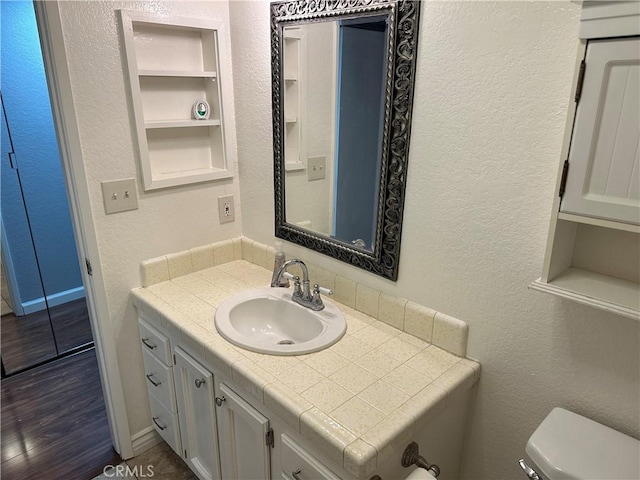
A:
x,y
528,471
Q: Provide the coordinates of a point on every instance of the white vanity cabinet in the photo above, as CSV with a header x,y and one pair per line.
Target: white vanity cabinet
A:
x,y
196,411
223,436
158,368
204,420
593,249
245,437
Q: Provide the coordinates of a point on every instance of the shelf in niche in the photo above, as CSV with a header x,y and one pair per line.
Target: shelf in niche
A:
x,y
173,62
595,289
182,123
177,73
627,227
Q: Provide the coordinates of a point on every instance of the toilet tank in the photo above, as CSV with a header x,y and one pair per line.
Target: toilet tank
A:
x,y
568,446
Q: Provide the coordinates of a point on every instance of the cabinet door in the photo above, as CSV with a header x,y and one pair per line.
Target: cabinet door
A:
x,y
604,171
244,452
196,411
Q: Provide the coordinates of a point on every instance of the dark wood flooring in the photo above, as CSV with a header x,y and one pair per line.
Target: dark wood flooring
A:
x,y
29,340
54,422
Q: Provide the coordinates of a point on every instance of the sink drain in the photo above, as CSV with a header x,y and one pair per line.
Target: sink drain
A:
x,y
286,342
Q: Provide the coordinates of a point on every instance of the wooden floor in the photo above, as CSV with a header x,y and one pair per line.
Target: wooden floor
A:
x,y
29,339
54,422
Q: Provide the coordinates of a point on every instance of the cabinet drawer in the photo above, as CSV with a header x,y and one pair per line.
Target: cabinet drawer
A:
x,y
154,342
295,458
166,424
159,380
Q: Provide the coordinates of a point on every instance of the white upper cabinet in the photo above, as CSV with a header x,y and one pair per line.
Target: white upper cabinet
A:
x,y
593,250
173,64
603,178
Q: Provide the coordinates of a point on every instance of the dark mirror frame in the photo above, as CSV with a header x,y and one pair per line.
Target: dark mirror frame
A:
x,y
402,46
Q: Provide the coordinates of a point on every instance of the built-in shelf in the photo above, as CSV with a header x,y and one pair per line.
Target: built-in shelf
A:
x,y
294,167
166,73
294,97
173,63
597,290
181,123
627,227
593,250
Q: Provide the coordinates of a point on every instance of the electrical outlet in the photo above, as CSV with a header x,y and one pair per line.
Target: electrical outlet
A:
x,y
316,168
119,195
226,209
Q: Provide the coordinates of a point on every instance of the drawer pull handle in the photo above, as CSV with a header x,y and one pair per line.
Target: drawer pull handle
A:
x,y
199,382
296,474
150,346
155,420
155,384
220,401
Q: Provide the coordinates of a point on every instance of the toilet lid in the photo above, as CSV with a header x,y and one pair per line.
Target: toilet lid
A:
x,y
567,446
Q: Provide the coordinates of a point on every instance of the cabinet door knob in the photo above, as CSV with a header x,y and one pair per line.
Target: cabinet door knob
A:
x,y
199,382
296,474
150,346
220,401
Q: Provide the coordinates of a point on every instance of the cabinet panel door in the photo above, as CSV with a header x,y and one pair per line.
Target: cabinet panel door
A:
x,y
196,411
604,170
244,453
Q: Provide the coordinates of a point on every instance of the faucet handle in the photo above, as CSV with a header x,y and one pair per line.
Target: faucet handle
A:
x,y
325,291
316,300
289,276
297,288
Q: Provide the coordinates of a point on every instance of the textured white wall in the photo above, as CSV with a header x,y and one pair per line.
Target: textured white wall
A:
x,y
167,220
492,92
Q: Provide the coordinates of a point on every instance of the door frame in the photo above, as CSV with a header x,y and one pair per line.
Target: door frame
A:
x,y
64,115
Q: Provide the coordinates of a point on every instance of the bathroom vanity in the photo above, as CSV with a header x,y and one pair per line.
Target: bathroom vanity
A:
x,y
347,411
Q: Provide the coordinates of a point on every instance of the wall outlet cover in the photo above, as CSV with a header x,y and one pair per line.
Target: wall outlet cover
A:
x,y
226,209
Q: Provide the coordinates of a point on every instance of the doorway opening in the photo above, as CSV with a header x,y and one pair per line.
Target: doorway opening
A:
x,y
44,312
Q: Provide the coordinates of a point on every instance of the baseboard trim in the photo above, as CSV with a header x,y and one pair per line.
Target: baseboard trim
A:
x,y
53,300
144,440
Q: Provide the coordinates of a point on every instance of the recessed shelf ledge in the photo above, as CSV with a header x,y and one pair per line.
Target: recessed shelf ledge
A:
x,y
627,227
181,123
596,290
177,73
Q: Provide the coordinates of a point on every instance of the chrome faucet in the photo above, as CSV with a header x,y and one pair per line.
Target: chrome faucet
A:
x,y
302,293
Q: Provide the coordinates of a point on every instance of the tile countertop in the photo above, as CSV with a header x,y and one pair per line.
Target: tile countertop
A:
x,y
358,401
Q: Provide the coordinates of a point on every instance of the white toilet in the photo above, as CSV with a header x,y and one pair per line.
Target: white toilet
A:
x,y
567,446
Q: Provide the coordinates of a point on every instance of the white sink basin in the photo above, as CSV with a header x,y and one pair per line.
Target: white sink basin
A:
x,y
266,320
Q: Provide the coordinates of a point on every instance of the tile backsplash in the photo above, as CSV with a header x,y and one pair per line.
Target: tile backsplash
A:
x,y
419,321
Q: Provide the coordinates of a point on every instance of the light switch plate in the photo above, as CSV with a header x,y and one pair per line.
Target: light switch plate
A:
x,y
119,195
316,167
226,209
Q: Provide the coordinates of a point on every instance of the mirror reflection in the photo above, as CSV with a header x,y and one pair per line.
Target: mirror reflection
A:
x,y
333,81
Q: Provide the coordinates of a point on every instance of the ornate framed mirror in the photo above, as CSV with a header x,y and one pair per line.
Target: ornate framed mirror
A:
x,y
343,74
